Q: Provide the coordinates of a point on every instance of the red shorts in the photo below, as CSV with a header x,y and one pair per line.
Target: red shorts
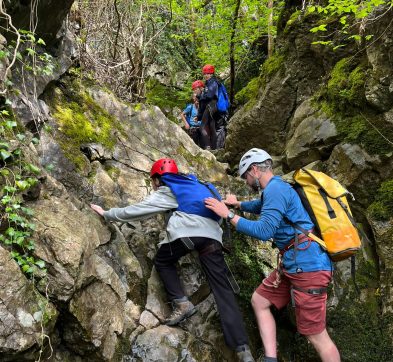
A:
x,y
310,309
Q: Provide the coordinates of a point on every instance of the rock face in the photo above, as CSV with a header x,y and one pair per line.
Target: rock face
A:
x,y
107,302
290,77
295,115
101,298
48,26
24,314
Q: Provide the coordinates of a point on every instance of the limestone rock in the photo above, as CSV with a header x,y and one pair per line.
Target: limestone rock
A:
x,y
315,136
148,320
23,311
95,325
156,302
65,236
379,83
164,343
356,170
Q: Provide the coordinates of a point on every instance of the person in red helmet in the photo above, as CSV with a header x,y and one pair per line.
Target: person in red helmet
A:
x,y
186,230
197,84
207,112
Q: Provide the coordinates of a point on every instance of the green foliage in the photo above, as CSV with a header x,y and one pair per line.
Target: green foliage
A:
x,y
31,54
348,14
382,207
215,24
17,176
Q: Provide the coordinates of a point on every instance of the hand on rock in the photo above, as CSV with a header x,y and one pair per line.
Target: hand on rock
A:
x,y
98,209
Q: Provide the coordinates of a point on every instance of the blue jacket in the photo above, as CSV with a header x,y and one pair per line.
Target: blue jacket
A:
x,y
191,112
281,200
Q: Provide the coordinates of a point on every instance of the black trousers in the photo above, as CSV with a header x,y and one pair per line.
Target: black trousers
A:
x,y
208,126
195,134
216,271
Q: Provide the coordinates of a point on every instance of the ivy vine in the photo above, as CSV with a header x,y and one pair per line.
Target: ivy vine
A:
x,y
17,174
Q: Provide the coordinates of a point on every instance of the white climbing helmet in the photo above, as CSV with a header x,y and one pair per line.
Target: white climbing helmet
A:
x,y
255,155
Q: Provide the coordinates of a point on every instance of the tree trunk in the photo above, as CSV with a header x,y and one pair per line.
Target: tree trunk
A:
x,y
232,52
270,41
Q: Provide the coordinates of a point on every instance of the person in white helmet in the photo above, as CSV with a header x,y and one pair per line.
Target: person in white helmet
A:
x,y
305,269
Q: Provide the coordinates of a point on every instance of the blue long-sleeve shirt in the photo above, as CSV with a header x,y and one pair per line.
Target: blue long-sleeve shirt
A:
x,y
281,200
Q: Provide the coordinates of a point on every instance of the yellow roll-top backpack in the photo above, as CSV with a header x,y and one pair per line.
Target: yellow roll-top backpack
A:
x,y
325,200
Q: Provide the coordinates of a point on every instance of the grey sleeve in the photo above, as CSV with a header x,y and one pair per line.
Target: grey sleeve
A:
x,y
158,202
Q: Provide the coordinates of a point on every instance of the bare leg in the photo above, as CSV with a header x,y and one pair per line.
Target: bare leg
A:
x,y
325,347
266,324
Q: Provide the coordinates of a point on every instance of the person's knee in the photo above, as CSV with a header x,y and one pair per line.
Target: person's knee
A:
x,y
259,303
320,340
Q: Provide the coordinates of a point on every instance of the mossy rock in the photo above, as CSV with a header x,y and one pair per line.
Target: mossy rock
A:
x,y
80,120
248,95
343,100
382,207
249,92
346,85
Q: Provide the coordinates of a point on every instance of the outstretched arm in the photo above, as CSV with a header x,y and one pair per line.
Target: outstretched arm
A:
x,y
158,202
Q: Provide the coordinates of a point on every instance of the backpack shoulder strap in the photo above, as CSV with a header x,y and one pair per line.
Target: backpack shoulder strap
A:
x,y
306,232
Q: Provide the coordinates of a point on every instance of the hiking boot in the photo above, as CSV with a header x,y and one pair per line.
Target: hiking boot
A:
x,y
181,311
244,354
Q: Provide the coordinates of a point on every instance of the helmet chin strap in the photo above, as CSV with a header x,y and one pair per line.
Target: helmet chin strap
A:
x,y
256,185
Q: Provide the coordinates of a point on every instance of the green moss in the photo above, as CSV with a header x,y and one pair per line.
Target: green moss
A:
x,y
346,85
138,107
292,19
357,330
81,120
382,207
49,313
343,101
85,122
198,159
244,260
113,172
272,65
249,92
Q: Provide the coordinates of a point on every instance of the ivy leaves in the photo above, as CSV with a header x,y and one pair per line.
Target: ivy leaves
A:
x,y
16,177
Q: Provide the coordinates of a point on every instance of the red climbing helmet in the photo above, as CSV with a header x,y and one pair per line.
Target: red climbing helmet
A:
x,y
208,69
197,84
164,165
